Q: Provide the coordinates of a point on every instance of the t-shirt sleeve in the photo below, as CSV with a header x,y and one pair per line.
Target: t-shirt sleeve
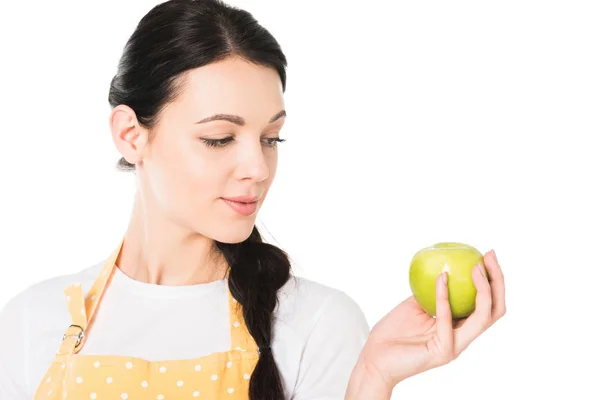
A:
x,y
13,350
332,350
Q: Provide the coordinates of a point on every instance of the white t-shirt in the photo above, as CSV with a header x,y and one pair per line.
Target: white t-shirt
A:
x,y
318,334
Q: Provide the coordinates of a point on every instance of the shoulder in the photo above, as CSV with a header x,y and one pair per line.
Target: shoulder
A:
x,y
45,296
306,305
43,305
301,293
32,324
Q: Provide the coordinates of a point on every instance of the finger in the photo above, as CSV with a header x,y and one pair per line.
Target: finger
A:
x,y
480,319
497,283
457,323
443,314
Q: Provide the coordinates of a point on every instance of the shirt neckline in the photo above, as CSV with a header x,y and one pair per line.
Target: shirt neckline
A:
x,y
124,282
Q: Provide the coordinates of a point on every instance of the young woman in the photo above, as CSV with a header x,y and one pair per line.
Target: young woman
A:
x,y
192,303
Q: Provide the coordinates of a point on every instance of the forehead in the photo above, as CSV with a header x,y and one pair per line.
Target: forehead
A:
x,y
231,86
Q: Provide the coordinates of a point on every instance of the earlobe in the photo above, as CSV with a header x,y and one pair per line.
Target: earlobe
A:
x,y
127,134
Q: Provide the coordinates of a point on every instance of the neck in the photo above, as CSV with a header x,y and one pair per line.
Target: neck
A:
x,y
156,250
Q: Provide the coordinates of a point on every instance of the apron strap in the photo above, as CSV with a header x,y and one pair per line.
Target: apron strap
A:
x,y
82,309
97,290
74,334
241,339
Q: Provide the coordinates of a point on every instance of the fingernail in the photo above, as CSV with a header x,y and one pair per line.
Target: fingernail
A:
x,y
445,277
494,255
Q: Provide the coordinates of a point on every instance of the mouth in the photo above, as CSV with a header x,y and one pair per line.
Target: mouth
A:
x,y
245,208
243,199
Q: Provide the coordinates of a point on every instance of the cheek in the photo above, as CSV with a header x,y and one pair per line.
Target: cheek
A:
x,y
272,163
185,180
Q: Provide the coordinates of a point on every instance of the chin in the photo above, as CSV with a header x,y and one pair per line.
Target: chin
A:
x,y
233,233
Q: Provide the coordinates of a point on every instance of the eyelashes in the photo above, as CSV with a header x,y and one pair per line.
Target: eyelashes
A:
x,y
220,143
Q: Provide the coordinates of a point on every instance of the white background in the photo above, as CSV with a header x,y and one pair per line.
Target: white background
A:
x,y
409,124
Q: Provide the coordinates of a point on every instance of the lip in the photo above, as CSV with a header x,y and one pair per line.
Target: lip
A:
x,y
242,199
244,208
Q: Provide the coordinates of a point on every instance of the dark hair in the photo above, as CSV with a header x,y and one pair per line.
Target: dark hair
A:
x,y
172,38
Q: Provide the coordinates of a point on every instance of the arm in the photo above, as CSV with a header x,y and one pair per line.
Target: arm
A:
x,y
9,389
12,350
331,350
365,384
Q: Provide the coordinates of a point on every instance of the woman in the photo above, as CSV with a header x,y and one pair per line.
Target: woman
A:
x,y
192,303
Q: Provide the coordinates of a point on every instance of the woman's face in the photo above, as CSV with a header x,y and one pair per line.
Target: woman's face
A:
x,y
216,140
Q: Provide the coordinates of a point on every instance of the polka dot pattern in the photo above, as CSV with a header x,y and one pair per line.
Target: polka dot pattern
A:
x,y
74,377
223,375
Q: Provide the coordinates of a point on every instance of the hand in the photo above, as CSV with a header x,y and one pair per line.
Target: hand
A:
x,y
407,341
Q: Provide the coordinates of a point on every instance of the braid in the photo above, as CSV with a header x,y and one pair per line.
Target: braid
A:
x,y
258,271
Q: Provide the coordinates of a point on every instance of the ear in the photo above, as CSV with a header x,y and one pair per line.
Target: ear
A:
x,y
128,135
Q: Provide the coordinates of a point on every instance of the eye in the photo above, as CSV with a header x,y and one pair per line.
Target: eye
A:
x,y
272,142
217,142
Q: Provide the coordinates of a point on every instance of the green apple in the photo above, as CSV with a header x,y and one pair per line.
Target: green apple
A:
x,y
458,260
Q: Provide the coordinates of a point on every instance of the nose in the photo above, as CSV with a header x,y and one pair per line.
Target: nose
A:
x,y
253,162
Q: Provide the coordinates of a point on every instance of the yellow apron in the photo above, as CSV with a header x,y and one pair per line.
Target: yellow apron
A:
x,y
72,376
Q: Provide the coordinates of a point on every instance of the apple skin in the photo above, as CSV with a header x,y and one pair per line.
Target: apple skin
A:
x,y
458,259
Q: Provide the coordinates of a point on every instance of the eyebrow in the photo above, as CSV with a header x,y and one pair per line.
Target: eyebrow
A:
x,y
237,119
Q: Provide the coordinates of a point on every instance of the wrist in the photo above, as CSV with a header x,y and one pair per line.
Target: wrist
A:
x,y
367,383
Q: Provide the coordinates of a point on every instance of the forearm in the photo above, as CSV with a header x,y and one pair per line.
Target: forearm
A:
x,y
365,384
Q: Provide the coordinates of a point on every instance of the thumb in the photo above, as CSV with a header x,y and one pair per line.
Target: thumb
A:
x,y
443,316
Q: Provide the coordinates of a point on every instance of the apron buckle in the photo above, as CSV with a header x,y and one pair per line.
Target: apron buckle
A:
x,y
78,336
